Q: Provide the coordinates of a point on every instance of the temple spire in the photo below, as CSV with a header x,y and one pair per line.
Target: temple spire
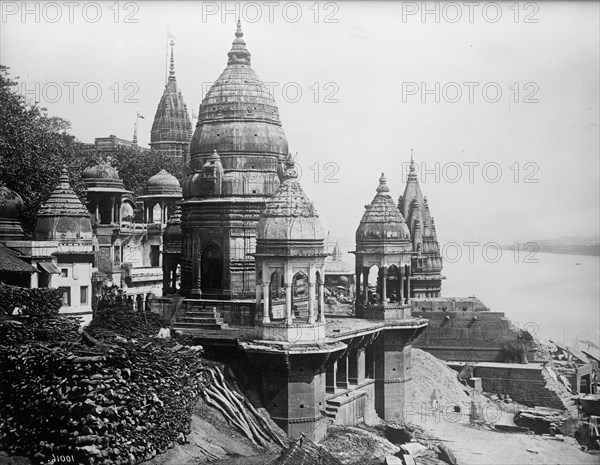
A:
x,y
238,54
172,63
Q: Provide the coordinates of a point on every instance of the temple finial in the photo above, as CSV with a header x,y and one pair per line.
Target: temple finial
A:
x,y
172,64
135,133
412,161
382,184
238,54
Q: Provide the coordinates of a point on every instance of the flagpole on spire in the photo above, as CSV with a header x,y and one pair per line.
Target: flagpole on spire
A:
x,y
135,127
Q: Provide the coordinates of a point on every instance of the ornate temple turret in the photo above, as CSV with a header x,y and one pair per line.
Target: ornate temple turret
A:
x,y
63,217
11,204
426,280
290,254
382,241
234,160
104,191
172,129
161,193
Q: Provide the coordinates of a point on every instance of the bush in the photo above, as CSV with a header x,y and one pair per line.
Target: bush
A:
x,y
40,303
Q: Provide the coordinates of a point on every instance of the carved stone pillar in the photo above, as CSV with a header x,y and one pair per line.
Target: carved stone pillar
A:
x,y
311,303
288,304
265,304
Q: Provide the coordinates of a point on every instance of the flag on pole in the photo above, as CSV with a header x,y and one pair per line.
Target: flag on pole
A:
x,y
170,34
140,116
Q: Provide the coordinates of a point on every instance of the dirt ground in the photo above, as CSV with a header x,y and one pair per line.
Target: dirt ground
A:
x,y
473,446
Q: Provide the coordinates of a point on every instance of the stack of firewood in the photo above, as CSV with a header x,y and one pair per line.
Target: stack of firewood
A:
x,y
102,401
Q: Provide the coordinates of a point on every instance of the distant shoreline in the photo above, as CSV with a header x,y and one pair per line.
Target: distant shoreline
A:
x,y
557,247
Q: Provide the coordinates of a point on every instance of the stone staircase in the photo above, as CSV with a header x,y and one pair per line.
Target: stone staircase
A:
x,y
332,407
198,315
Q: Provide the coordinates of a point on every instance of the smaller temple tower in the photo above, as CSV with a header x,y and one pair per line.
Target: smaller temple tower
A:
x,y
172,129
291,350
290,255
426,280
64,230
383,247
104,190
383,270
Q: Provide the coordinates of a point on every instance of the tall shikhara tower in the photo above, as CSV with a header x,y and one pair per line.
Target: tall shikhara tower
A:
x,y
236,157
172,128
426,280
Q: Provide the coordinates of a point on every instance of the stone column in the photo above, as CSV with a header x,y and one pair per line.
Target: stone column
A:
x,y
97,213
352,366
321,317
266,297
360,366
357,285
408,285
400,284
331,377
311,302
392,374
288,303
342,372
384,275
365,296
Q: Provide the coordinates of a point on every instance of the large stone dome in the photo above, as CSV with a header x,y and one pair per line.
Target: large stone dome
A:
x,y
239,118
11,204
289,218
63,216
163,184
382,221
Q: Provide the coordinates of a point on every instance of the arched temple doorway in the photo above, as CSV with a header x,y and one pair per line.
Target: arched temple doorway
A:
x,y
211,269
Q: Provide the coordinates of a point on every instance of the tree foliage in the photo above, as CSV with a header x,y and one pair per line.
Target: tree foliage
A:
x,y
34,147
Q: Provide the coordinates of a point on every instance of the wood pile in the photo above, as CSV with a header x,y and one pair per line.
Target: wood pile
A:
x,y
100,401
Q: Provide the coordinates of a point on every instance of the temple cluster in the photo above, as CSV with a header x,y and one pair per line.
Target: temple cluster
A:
x,y
244,249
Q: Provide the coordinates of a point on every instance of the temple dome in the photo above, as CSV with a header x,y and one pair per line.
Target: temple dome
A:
x,y
239,118
11,204
289,215
163,184
102,178
63,216
100,171
382,221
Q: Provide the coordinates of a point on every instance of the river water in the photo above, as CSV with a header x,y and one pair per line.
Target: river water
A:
x,y
557,294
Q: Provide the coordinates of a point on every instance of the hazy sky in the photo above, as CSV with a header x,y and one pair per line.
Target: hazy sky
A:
x,y
361,69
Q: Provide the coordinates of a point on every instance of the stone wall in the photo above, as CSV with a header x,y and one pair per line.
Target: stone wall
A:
x,y
470,335
525,384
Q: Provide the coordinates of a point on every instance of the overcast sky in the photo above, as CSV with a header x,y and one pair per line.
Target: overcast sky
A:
x,y
362,69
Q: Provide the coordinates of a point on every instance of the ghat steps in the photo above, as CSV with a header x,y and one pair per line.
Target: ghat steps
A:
x,y
198,315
